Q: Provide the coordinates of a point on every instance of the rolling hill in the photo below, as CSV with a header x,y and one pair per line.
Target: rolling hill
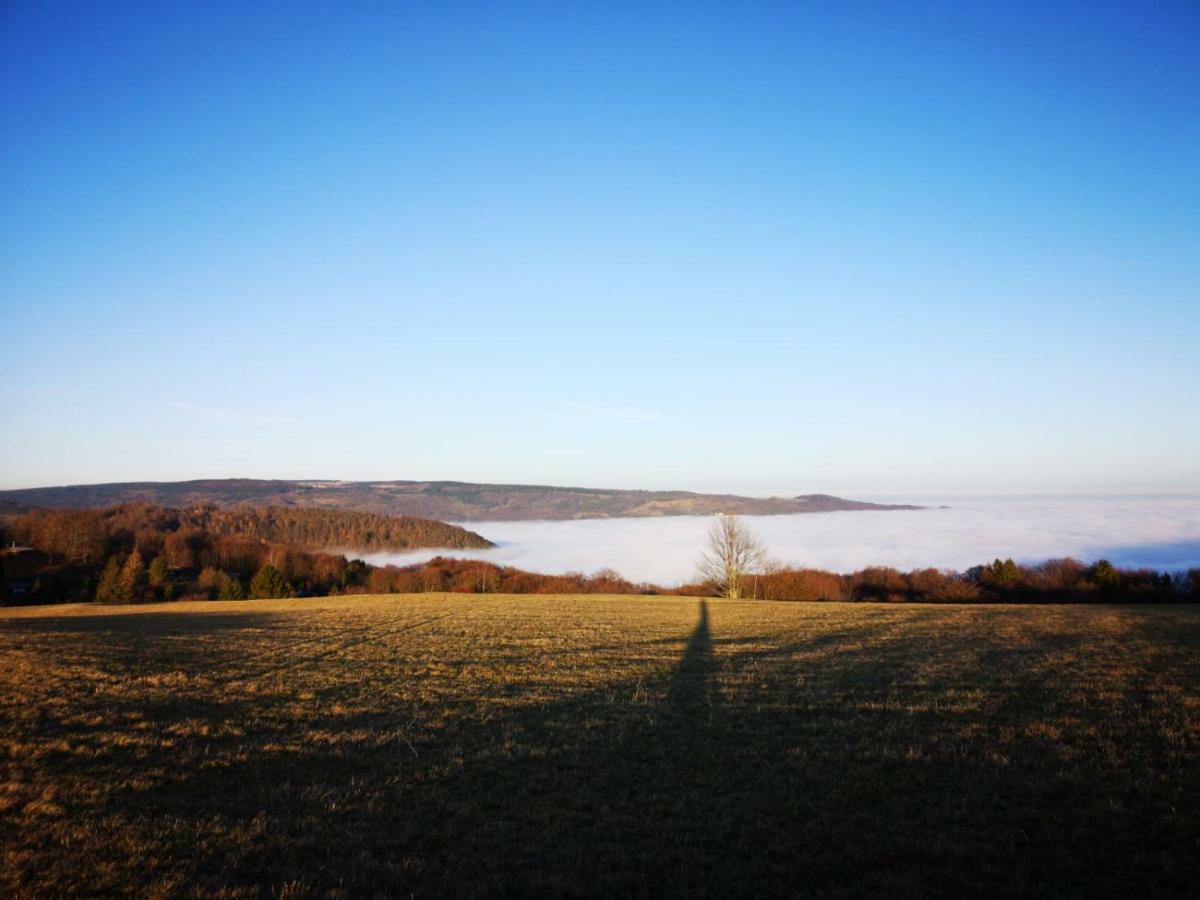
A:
x,y
447,501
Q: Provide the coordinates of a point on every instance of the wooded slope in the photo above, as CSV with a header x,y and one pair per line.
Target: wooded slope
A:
x,y
447,501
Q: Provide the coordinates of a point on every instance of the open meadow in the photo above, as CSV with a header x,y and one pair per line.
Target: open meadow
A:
x,y
459,745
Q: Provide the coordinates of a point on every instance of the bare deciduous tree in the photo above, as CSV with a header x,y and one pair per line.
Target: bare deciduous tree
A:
x,y
732,554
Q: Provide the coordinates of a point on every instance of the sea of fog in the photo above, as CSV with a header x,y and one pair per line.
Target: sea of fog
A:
x,y
954,533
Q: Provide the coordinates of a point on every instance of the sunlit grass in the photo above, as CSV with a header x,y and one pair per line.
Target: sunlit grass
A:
x,y
451,745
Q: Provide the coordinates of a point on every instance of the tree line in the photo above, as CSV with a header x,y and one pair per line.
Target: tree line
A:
x,y
1001,581
139,552
735,564
85,535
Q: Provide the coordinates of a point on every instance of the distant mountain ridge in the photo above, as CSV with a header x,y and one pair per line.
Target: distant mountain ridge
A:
x,y
446,501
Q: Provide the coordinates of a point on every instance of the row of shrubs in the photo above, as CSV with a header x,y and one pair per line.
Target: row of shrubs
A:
x,y
1001,581
238,569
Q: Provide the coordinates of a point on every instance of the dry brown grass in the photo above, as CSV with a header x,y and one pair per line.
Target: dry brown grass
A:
x,y
460,745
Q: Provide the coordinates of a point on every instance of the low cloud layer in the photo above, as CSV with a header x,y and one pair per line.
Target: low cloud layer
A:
x,y
1160,532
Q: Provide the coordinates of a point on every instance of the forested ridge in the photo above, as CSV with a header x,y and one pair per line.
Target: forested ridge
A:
x,y
139,551
446,501
82,534
321,529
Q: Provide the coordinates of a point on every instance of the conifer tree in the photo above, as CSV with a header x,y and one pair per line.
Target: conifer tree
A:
x,y
232,590
158,572
267,583
1002,572
133,577
108,588
1105,576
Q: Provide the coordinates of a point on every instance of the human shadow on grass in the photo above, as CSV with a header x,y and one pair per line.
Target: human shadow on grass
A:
x,y
786,769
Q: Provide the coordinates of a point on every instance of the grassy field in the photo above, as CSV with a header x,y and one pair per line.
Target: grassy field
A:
x,y
461,745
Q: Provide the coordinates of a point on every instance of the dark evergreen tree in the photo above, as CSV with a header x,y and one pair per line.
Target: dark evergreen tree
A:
x,y
232,590
133,577
267,583
1105,576
158,573
108,588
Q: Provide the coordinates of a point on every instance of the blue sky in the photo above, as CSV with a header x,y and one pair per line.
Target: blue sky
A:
x,y
865,248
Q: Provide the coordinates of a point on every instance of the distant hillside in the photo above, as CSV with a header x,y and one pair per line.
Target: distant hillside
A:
x,y
138,551
67,531
326,529
453,501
